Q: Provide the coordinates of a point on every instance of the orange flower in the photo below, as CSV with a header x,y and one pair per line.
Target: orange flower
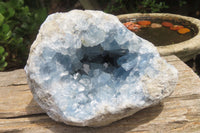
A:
x,y
183,30
144,22
176,27
132,26
127,24
167,24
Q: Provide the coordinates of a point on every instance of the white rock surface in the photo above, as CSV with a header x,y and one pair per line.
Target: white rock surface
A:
x,y
86,69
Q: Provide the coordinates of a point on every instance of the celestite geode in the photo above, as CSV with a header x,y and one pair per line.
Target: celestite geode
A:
x,y
86,69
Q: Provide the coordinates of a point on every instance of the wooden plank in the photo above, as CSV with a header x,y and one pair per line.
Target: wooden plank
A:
x,y
178,113
15,96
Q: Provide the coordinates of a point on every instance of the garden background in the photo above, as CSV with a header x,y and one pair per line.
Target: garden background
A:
x,y
21,19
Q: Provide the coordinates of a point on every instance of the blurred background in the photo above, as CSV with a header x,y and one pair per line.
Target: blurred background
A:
x,y
21,19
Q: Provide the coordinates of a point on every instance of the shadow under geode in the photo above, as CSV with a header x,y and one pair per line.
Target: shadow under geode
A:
x,y
121,126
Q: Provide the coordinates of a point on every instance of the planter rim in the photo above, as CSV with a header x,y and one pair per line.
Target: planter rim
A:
x,y
192,44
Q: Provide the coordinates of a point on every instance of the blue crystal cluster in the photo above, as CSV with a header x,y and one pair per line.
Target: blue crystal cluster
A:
x,y
86,64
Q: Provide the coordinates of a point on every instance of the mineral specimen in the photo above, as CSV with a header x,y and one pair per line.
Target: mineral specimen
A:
x,y
86,68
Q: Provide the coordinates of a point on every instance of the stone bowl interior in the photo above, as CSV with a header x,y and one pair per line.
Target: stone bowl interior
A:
x,y
184,50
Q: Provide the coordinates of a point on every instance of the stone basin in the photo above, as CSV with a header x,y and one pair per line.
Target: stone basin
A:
x,y
185,50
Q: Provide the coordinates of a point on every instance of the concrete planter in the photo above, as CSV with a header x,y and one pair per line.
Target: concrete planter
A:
x,y
184,50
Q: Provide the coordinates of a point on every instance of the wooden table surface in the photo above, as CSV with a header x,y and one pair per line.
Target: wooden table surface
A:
x,y
178,113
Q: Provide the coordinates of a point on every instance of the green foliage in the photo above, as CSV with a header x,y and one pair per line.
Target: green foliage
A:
x,y
150,6
115,6
182,2
142,6
17,28
135,6
3,55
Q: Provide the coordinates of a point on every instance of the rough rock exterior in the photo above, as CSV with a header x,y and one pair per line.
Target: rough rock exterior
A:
x,y
86,69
